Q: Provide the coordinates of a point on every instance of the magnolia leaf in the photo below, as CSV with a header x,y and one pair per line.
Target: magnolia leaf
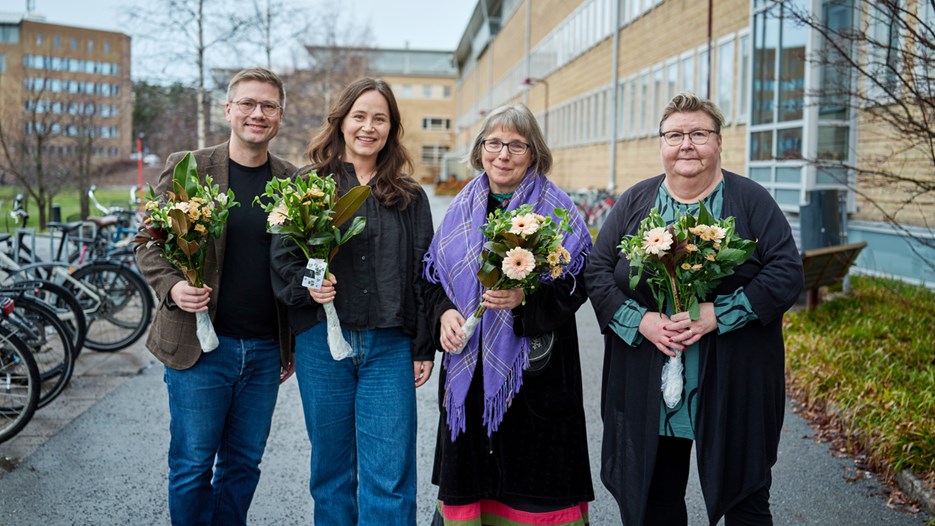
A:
x,y
488,275
356,227
180,223
349,203
182,176
187,247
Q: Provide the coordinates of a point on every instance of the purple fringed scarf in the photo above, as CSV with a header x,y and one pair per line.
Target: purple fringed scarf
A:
x,y
453,260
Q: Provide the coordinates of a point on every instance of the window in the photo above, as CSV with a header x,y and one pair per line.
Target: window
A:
x,y
432,153
57,41
38,39
436,123
106,47
74,43
743,87
725,78
446,91
407,90
90,45
427,91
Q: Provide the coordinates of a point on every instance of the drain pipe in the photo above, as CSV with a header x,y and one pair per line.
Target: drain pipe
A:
x,y
614,101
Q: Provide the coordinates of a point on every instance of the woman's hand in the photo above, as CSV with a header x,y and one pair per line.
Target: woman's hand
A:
x,y
451,337
422,371
503,299
189,298
692,331
655,327
326,293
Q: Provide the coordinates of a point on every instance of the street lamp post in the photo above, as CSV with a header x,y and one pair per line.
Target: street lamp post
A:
x,y
139,168
529,81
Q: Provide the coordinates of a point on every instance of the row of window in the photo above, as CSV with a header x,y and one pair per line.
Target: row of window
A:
x,y
642,96
71,108
71,150
426,91
73,42
72,130
41,84
72,65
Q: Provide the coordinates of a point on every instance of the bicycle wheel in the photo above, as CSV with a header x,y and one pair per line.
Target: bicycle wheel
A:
x,y
63,302
19,385
47,338
117,304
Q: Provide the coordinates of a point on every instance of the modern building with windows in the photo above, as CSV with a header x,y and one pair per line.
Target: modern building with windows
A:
x,y
597,74
68,84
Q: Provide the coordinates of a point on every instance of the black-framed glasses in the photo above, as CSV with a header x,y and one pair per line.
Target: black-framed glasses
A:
x,y
697,137
496,146
270,109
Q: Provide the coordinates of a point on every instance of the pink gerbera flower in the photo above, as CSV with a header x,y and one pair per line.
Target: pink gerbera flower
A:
x,y
524,225
279,215
657,241
518,263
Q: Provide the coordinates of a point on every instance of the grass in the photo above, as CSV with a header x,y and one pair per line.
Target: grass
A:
x,y
867,361
68,200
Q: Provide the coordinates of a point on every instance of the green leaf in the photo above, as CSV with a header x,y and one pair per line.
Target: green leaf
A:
x,y
357,226
704,216
349,203
488,275
185,177
694,310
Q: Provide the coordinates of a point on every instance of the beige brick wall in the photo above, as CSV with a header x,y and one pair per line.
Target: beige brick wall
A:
x,y
416,107
879,145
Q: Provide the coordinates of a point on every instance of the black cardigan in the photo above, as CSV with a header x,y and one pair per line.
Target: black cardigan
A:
x,y
741,373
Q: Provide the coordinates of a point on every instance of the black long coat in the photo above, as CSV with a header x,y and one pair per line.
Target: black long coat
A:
x,y
741,373
539,454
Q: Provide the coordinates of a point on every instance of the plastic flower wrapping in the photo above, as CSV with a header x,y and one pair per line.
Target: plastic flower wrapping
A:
x,y
521,250
682,263
306,210
182,222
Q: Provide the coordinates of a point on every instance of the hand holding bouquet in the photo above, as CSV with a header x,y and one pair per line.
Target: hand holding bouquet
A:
x,y
684,262
182,222
522,248
306,211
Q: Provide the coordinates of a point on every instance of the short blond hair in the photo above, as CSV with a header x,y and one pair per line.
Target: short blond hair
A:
x,y
259,75
688,102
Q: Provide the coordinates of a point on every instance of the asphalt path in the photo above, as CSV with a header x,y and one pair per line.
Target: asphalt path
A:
x,y
108,466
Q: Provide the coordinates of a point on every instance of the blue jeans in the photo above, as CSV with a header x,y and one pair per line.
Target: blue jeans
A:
x,y
220,414
360,413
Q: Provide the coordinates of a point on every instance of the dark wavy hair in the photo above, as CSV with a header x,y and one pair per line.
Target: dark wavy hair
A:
x,y
326,150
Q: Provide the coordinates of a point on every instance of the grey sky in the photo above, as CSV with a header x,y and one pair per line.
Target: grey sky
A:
x,y
425,24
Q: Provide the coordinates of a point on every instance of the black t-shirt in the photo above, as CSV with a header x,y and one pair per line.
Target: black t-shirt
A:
x,y
246,306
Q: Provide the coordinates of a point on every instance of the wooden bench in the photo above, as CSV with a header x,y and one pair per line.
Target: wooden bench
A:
x,y
826,266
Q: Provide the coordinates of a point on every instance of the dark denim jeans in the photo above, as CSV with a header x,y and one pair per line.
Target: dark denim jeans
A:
x,y
360,413
220,414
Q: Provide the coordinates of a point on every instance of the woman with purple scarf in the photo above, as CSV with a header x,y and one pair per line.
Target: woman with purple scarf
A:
x,y
511,445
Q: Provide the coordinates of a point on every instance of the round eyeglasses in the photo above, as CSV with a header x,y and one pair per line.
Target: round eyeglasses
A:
x,y
697,137
496,146
270,109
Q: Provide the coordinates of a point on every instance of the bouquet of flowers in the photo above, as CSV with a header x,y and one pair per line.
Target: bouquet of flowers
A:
x,y
684,262
182,222
522,247
307,211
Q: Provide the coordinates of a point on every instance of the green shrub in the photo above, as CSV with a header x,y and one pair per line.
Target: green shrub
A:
x,y
868,360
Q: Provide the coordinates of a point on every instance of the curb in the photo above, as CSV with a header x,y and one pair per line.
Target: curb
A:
x,y
917,490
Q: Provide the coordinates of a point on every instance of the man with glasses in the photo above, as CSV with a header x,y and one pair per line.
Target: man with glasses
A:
x,y
221,402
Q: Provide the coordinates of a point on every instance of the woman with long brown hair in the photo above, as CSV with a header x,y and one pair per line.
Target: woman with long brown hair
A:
x,y
360,411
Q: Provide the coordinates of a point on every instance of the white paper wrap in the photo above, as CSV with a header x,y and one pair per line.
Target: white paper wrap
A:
x,y
672,380
340,349
205,331
469,327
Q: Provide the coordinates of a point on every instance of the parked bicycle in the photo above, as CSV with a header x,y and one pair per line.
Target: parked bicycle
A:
x,y
19,378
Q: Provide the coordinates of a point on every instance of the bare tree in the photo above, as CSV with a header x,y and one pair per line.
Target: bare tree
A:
x,y
33,149
184,33
279,26
877,62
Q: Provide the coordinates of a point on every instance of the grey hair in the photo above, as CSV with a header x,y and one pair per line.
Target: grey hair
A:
x,y
517,118
259,75
688,102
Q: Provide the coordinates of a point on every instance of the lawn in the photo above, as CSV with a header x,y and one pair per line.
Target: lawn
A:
x,y
866,361
67,200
